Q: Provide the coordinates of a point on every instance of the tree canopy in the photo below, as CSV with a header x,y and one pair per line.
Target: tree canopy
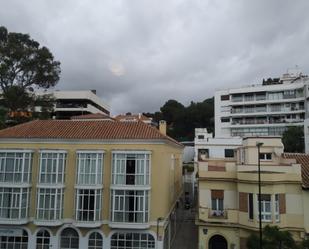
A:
x,y
182,120
272,238
293,139
24,66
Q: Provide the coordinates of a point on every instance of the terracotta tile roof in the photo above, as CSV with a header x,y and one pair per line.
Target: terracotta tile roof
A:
x,y
79,129
93,116
302,159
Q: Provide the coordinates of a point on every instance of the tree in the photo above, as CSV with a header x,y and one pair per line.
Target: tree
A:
x,y
273,238
293,139
183,120
24,66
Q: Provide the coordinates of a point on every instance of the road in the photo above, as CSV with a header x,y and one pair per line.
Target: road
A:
x,y
187,232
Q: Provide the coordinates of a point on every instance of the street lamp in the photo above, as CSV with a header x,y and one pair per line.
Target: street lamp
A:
x,y
259,144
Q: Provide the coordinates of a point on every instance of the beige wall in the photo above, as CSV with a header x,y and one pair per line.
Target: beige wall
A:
x,y
162,199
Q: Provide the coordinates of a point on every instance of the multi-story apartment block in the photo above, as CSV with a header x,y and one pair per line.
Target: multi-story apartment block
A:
x,y
88,184
206,146
72,103
228,194
262,110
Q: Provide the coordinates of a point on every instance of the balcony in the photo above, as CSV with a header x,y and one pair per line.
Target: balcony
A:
x,y
217,214
225,216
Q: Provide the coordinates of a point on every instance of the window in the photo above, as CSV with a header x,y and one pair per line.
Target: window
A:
x,y
250,204
69,239
88,204
43,240
237,98
130,206
49,206
277,210
95,241
200,136
260,96
131,168
228,153
14,203
15,242
15,166
132,241
203,154
52,167
266,207
275,95
89,172
217,197
225,120
249,97
50,188
90,168
265,156
225,97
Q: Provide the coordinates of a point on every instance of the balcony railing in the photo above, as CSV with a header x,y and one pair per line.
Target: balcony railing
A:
x,y
217,214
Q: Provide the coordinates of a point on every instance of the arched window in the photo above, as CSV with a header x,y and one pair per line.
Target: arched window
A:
x,y
132,241
43,239
15,242
69,239
95,241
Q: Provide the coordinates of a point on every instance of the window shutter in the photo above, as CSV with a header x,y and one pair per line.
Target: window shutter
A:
x,y
217,194
282,206
243,202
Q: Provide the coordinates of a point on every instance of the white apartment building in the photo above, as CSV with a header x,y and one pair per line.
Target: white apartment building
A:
x,y
262,110
70,103
206,146
77,102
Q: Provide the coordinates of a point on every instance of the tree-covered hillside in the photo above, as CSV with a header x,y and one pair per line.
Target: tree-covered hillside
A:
x,y
182,120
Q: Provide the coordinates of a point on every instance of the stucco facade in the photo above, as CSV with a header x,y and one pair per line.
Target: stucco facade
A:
x,y
228,195
163,190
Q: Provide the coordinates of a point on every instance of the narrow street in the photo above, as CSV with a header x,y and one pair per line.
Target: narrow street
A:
x,y
187,232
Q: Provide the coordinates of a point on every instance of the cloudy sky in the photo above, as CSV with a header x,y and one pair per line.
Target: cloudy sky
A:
x,y
140,53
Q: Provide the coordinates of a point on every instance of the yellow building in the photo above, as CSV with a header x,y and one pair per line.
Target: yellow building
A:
x,y
88,184
228,195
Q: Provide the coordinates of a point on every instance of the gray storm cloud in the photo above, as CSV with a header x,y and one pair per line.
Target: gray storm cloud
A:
x,y
138,54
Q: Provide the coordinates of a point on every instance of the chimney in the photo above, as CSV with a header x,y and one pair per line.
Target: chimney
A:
x,y
94,91
162,127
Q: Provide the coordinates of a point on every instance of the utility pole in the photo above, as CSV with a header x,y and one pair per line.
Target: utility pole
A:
x,y
259,144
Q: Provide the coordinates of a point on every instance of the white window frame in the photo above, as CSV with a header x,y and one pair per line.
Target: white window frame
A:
x,y
84,159
141,205
59,173
142,167
22,166
55,203
277,208
264,154
97,206
89,184
19,204
51,185
266,215
15,241
144,240
70,239
96,242
41,235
